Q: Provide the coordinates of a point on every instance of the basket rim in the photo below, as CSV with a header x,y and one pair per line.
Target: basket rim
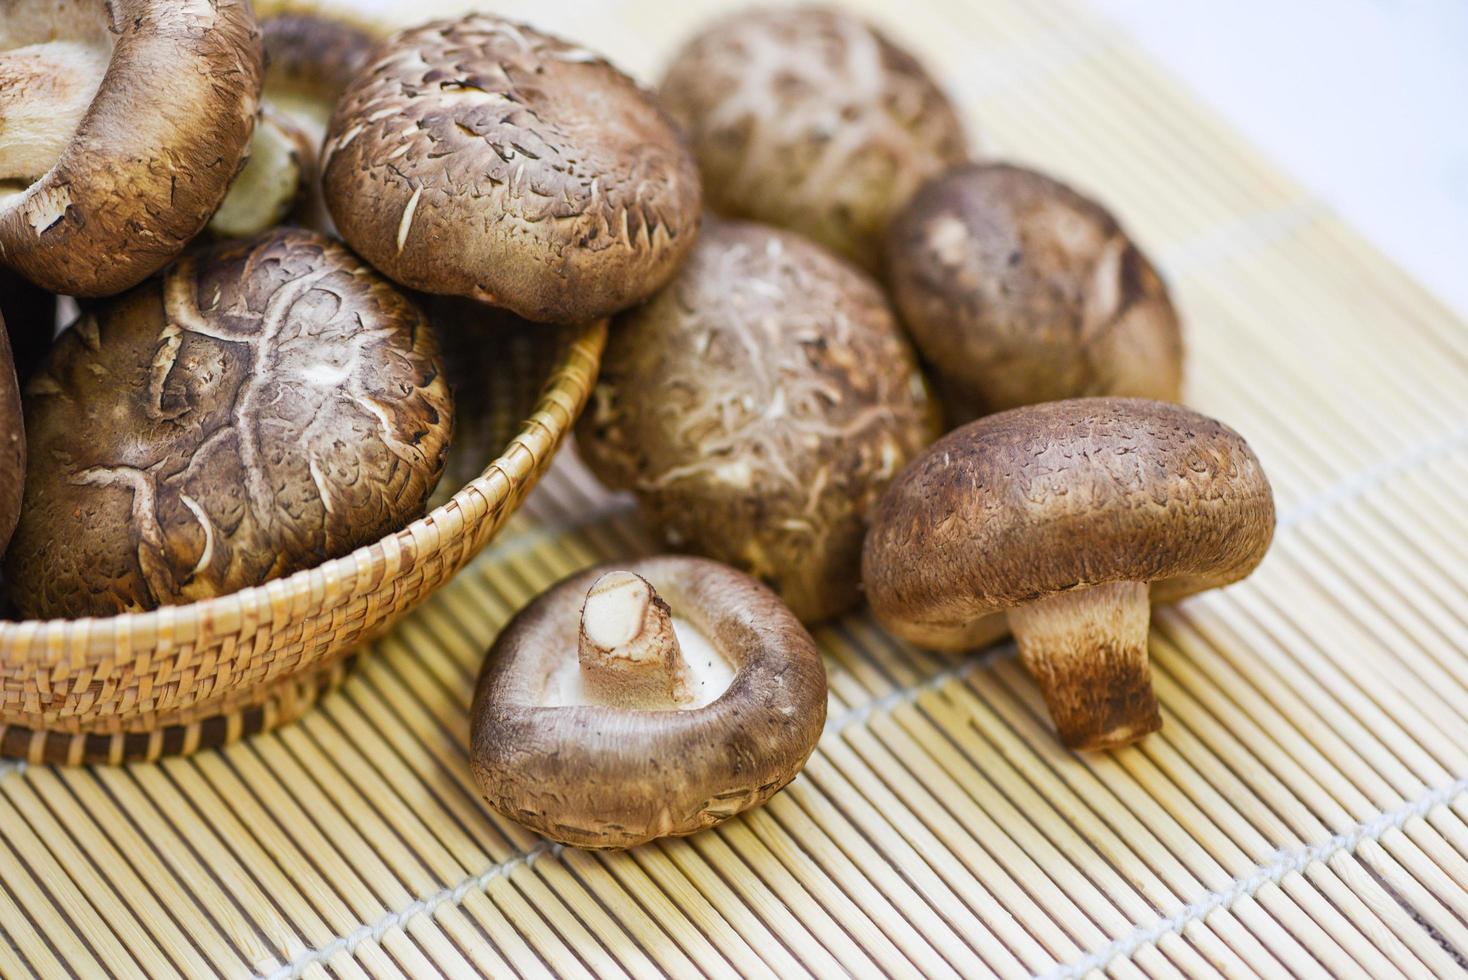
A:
x,y
41,640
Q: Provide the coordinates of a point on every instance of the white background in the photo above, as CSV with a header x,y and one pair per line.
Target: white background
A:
x,y
1363,101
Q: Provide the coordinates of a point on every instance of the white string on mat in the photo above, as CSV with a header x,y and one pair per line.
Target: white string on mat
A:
x,y
1285,863
1377,473
426,905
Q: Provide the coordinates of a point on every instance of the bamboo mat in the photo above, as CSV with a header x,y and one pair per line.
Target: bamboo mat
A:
x,y
1304,810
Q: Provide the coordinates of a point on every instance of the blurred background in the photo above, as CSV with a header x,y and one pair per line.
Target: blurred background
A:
x,y
1362,101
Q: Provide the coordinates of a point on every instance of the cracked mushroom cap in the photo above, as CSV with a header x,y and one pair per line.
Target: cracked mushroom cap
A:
x,y
12,443
1047,499
811,119
758,406
118,136
480,158
264,406
581,757
1017,290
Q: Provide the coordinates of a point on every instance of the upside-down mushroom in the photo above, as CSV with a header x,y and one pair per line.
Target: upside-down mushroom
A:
x,y
1068,519
481,158
1017,290
650,699
121,127
758,406
811,119
265,405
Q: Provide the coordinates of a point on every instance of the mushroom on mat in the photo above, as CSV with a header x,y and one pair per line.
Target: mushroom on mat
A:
x,y
606,716
809,118
758,406
121,127
481,158
1018,290
1068,519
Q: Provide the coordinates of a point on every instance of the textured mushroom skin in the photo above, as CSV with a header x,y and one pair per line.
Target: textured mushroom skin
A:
x,y
1038,500
1018,290
267,405
154,154
758,406
12,442
603,778
481,158
811,119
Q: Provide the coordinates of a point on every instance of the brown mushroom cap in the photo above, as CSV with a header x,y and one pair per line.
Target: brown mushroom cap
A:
x,y
117,190
481,158
12,443
1063,515
313,56
811,119
1018,290
758,407
1048,498
266,405
606,777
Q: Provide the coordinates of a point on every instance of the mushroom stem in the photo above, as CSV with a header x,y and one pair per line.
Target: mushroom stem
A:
x,y
1087,649
629,654
45,90
273,179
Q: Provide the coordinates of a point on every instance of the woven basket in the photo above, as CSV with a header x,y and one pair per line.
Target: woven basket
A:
x,y
183,678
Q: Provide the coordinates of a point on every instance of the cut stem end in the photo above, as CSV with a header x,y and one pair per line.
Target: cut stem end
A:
x,y
628,652
1087,649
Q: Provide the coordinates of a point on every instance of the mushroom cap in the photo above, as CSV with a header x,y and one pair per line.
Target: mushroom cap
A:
x,y
1018,290
264,406
482,158
12,442
601,777
152,157
313,54
811,119
1044,499
758,406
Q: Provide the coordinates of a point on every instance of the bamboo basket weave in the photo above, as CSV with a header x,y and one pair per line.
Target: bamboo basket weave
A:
x,y
183,678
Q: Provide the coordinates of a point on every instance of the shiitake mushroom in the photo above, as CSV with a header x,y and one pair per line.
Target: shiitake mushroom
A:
x,y
811,119
263,406
121,127
479,157
1019,290
758,406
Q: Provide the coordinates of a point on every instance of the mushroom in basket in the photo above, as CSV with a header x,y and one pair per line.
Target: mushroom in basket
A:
x,y
264,406
121,127
1065,521
655,698
481,158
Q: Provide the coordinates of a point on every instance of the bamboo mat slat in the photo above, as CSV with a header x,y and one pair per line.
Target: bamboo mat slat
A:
x,y
1303,810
